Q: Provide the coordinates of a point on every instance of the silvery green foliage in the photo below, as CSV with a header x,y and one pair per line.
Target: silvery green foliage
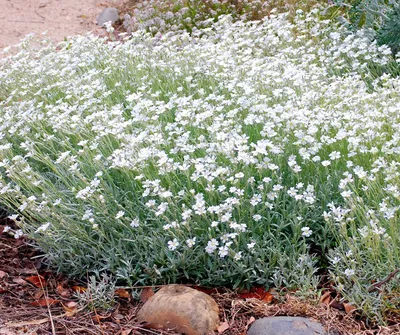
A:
x,y
217,159
381,17
389,32
99,294
369,14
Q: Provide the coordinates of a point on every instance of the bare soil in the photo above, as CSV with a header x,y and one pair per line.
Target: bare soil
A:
x,y
60,18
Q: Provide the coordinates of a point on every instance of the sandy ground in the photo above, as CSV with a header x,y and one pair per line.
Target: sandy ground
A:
x,y
60,18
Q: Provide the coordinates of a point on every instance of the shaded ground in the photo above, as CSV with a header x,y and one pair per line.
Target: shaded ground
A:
x,y
60,18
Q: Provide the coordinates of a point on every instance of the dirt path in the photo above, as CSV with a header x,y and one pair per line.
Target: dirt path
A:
x,y
60,18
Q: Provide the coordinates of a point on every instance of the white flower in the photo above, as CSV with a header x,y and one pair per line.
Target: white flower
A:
x,y
211,246
223,251
135,223
346,194
150,203
172,245
349,272
13,217
238,256
6,229
239,175
43,227
109,27
119,215
335,35
214,224
18,234
191,242
84,193
316,159
161,209
306,231
257,217
95,182
221,188
23,206
62,157
326,163
334,155
251,245
88,214
57,202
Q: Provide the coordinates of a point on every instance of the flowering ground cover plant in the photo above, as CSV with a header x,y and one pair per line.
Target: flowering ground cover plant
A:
x,y
159,16
254,154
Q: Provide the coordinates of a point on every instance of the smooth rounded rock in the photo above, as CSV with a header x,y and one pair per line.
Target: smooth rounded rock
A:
x,y
107,15
181,309
286,325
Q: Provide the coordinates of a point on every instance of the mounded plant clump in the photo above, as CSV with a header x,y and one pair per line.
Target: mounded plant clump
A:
x,y
254,154
160,16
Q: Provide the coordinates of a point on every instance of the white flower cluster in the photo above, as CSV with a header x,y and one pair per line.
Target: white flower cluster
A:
x,y
211,141
160,16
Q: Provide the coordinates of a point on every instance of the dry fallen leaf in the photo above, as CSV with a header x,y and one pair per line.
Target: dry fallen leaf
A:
x,y
78,289
62,291
38,281
2,274
122,293
251,320
222,327
325,298
146,294
44,302
257,293
349,308
19,281
70,308
38,294
97,318
268,297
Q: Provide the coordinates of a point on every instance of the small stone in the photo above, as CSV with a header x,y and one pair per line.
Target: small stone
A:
x,y
108,14
286,325
181,309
